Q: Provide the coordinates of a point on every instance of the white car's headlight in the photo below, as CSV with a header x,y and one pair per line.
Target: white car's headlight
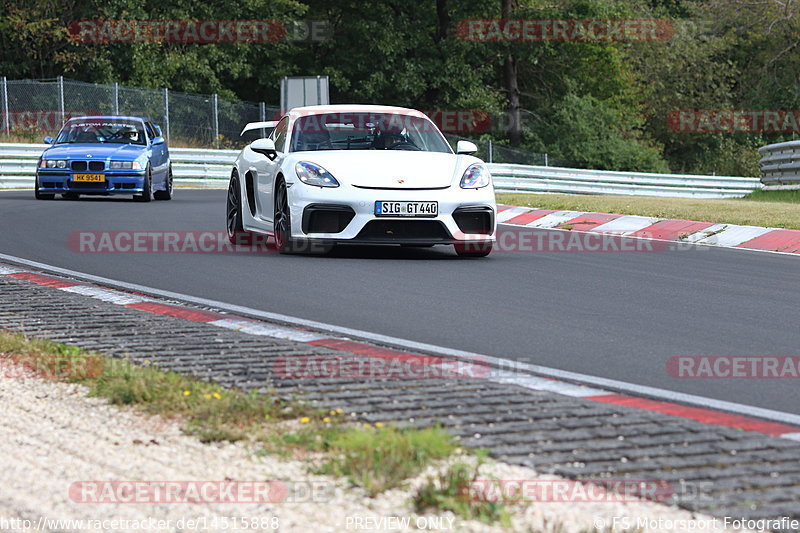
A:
x,y
312,174
53,163
475,177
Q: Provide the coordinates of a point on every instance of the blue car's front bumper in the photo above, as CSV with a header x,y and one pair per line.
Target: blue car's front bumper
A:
x,y
58,180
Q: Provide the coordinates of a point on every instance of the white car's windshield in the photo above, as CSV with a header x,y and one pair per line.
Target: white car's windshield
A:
x,y
366,131
102,131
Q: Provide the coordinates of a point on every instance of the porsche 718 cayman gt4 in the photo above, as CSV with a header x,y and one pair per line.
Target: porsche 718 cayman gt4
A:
x,y
339,174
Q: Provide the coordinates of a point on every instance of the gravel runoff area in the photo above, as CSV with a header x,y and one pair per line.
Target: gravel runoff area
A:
x,y
54,435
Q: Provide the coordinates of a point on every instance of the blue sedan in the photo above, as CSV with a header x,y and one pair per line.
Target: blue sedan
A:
x,y
106,155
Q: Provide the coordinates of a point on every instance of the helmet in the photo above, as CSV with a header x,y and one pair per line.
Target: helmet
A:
x,y
129,132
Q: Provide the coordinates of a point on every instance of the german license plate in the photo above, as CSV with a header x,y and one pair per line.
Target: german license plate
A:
x,y
406,209
95,178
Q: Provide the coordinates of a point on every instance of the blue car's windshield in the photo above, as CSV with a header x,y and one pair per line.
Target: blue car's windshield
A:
x,y
102,131
366,131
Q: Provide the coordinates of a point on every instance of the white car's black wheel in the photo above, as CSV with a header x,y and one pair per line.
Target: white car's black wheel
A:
x,y
233,211
283,220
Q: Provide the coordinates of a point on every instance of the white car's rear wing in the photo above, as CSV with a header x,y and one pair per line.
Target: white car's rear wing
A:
x,y
259,126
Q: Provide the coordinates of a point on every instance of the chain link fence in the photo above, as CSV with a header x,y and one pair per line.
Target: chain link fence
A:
x,y
493,152
32,109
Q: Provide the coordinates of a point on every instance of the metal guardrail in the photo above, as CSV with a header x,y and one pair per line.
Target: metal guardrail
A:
x,y
535,179
190,166
780,165
201,166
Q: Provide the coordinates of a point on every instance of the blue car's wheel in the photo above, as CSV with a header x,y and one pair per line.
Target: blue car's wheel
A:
x,y
39,195
147,192
166,194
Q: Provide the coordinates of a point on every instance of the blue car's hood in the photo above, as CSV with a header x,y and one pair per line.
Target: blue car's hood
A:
x,y
121,152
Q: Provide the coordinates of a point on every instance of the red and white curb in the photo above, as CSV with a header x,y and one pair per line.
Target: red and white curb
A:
x,y
724,235
513,376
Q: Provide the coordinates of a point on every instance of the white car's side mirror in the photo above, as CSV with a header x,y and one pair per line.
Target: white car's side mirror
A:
x,y
466,147
265,147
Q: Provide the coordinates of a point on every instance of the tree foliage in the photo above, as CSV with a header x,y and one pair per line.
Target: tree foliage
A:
x,y
599,104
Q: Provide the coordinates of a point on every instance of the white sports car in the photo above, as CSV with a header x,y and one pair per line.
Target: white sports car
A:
x,y
339,174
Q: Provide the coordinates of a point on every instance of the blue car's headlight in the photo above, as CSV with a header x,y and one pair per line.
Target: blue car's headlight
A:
x,y
312,174
53,163
125,164
475,177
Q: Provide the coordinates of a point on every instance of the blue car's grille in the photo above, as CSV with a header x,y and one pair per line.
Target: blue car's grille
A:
x,y
93,165
87,185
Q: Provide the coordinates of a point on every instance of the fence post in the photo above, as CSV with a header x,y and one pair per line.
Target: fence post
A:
x,y
166,112
545,160
215,105
262,116
116,98
6,121
61,98
490,151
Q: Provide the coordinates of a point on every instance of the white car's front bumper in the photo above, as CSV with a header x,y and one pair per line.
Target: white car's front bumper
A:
x,y
364,226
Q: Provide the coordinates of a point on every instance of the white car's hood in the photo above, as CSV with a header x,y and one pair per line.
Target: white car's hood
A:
x,y
391,169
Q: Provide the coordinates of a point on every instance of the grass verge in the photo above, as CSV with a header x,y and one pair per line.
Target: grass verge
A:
x,y
777,209
376,458
207,410
450,491
774,196
381,459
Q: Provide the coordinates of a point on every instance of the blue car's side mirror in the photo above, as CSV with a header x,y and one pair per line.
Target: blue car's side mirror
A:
x,y
49,140
158,140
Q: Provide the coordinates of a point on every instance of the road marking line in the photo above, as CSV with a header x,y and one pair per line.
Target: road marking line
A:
x,y
177,311
106,295
625,225
550,385
706,416
555,219
735,235
5,270
510,213
267,330
47,281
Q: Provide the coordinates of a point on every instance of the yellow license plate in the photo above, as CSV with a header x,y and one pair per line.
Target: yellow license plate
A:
x,y
89,177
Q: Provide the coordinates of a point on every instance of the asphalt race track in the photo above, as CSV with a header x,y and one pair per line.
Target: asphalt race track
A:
x,y
614,315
